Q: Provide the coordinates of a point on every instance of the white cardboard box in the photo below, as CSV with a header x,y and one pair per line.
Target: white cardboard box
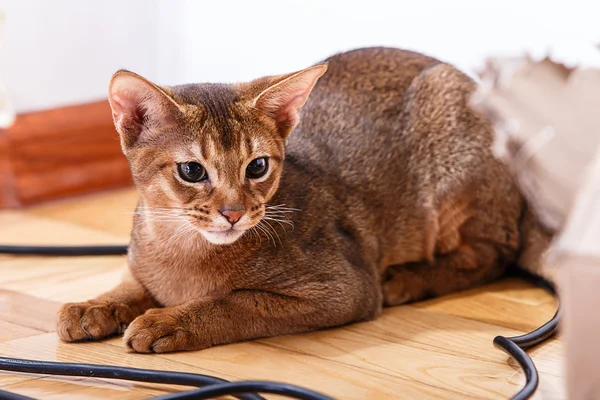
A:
x,y
547,115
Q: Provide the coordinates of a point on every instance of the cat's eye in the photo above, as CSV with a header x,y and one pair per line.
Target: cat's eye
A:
x,y
192,172
257,168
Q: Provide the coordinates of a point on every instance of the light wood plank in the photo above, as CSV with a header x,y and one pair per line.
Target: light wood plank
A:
x,y
517,290
438,349
62,279
10,331
28,311
18,227
435,366
11,378
482,304
76,389
47,347
252,361
107,211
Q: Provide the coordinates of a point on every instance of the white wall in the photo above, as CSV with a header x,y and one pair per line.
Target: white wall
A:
x,y
61,52
238,40
64,51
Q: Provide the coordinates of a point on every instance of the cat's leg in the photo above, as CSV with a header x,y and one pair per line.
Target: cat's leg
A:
x,y
108,314
248,314
469,265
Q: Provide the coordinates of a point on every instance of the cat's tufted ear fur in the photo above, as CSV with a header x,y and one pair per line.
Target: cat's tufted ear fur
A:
x,y
282,100
139,107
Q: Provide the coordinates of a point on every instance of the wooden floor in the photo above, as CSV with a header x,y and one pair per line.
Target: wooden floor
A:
x,y
439,349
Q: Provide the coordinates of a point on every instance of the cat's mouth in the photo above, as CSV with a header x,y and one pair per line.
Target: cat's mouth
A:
x,y
223,237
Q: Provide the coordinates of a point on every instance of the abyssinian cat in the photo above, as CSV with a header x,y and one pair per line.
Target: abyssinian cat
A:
x,y
374,158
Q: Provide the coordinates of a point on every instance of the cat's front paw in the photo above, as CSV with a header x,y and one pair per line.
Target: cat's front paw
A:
x,y
395,293
160,331
92,320
404,284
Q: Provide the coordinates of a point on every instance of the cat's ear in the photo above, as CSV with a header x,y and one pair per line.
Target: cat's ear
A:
x,y
139,107
282,100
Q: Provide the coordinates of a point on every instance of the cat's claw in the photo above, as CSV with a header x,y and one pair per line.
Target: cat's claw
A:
x,y
91,320
158,331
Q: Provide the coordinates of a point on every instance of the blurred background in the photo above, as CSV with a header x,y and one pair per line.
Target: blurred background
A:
x,y
56,59
61,52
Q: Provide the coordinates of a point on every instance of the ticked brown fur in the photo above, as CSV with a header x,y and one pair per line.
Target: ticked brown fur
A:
x,y
385,172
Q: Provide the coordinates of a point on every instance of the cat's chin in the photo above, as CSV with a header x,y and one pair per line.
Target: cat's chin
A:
x,y
224,237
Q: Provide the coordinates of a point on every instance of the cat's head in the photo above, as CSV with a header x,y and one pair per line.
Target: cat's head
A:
x,y
209,155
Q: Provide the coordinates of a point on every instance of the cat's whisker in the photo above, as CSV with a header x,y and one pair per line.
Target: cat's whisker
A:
x,y
263,230
281,207
279,212
255,234
266,232
167,213
275,218
194,233
158,213
134,227
258,229
149,220
143,212
277,215
159,208
189,231
270,210
280,222
153,220
165,219
280,215
172,213
181,231
275,233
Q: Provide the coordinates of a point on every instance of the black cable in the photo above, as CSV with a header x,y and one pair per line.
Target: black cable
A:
x,y
234,388
215,387
515,346
111,372
526,363
4,395
64,250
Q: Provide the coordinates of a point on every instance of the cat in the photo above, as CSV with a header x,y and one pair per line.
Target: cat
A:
x,y
374,157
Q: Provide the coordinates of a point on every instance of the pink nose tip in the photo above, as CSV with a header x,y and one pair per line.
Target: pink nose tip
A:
x,y
232,216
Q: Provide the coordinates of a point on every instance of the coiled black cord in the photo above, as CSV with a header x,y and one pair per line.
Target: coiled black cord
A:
x,y
211,387
214,386
103,371
515,346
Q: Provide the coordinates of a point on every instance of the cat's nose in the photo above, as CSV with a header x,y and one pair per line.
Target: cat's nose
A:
x,y
232,216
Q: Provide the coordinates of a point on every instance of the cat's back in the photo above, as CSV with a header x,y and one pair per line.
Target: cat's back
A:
x,y
361,88
357,105
377,73
388,137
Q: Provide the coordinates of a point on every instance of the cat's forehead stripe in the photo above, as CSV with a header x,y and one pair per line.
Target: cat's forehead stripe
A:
x,y
249,146
217,100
